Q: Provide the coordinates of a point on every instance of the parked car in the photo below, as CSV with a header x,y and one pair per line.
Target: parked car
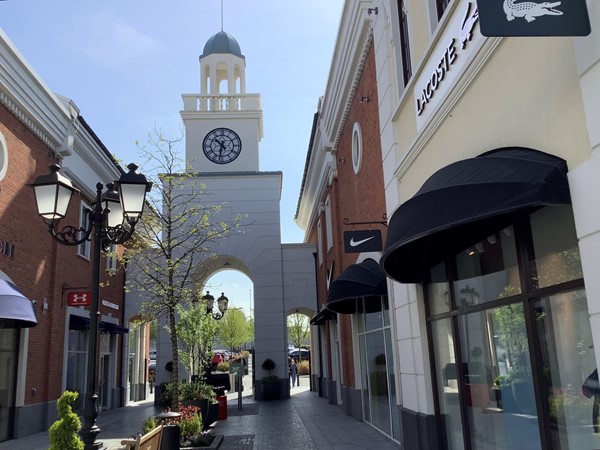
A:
x,y
301,354
226,353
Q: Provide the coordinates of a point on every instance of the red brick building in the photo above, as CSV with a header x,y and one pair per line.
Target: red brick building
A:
x,y
342,208
37,129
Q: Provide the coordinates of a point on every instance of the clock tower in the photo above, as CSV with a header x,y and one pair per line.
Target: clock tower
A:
x,y
224,126
223,123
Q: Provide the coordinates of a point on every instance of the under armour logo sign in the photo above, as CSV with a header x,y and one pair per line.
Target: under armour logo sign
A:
x,y
80,299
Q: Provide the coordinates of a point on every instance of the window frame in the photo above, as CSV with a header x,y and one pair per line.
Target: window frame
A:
x,y
405,55
528,297
84,249
328,224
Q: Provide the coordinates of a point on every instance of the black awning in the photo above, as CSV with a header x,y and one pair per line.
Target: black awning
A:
x,y
359,280
322,316
16,310
462,201
83,323
112,328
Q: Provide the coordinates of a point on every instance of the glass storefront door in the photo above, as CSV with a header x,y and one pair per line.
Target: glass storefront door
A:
x,y
9,342
498,381
377,369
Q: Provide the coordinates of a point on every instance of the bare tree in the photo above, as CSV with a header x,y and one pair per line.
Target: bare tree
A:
x,y
179,234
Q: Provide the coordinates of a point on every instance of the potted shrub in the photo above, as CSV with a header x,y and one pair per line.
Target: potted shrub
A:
x,y
204,397
164,393
270,383
63,432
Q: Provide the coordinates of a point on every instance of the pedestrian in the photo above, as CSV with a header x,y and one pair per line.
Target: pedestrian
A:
x,y
294,372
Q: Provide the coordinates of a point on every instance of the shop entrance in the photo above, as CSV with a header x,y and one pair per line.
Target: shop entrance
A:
x,y
9,342
512,339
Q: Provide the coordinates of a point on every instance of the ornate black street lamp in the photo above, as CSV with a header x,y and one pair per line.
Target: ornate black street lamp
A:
x,y
112,220
222,303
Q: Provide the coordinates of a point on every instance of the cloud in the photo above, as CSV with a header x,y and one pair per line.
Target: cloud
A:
x,y
114,44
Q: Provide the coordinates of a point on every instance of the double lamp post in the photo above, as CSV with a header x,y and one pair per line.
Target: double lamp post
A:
x,y
112,220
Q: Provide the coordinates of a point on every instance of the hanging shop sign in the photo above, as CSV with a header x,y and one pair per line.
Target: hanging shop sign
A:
x,y
79,299
358,241
533,18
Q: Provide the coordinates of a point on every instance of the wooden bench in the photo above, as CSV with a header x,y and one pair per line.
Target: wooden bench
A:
x,y
149,441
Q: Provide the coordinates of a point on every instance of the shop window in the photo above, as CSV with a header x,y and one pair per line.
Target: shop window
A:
x,y
555,260
487,270
508,346
404,42
566,348
328,224
441,6
3,157
377,367
111,259
320,242
9,351
76,365
438,290
447,381
85,211
495,346
356,147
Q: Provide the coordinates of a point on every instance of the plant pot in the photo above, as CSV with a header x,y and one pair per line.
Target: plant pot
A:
x,y
170,437
498,398
211,416
270,391
509,403
201,403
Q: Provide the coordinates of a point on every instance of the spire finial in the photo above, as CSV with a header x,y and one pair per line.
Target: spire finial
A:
x,y
221,15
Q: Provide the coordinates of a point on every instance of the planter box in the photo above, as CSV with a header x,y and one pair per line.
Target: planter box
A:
x,y
217,441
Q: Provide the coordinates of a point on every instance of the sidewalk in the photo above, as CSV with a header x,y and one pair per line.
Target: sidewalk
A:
x,y
306,421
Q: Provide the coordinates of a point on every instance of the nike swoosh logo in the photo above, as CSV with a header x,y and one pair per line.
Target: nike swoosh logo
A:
x,y
354,243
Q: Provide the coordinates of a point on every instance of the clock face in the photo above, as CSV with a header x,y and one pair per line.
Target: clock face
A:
x,y
222,145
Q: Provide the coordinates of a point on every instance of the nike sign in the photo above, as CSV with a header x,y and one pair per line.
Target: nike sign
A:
x,y
360,241
354,243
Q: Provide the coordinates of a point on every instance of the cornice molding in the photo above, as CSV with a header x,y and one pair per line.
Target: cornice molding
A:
x,y
24,118
355,38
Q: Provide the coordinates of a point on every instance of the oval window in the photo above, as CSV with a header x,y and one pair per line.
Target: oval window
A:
x,y
356,147
3,157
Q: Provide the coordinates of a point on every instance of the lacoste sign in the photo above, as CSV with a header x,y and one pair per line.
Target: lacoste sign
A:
x,y
533,18
437,77
357,241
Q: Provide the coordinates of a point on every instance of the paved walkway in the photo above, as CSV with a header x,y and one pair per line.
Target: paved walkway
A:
x,y
306,421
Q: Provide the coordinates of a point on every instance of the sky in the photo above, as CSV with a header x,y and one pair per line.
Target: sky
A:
x,y
125,64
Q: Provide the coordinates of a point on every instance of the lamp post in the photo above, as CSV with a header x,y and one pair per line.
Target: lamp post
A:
x,y
222,304
112,220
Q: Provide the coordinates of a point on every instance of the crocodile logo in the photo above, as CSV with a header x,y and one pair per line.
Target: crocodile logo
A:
x,y
530,10
466,32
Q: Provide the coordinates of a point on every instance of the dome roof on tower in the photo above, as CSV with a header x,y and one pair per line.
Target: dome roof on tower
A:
x,y
222,42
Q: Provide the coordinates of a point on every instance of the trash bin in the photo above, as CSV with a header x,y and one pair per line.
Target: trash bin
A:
x,y
171,432
222,399
170,437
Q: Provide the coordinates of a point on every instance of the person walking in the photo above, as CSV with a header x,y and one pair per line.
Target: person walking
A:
x,y
293,372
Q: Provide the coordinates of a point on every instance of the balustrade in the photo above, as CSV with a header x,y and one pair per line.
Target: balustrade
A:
x,y
221,102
